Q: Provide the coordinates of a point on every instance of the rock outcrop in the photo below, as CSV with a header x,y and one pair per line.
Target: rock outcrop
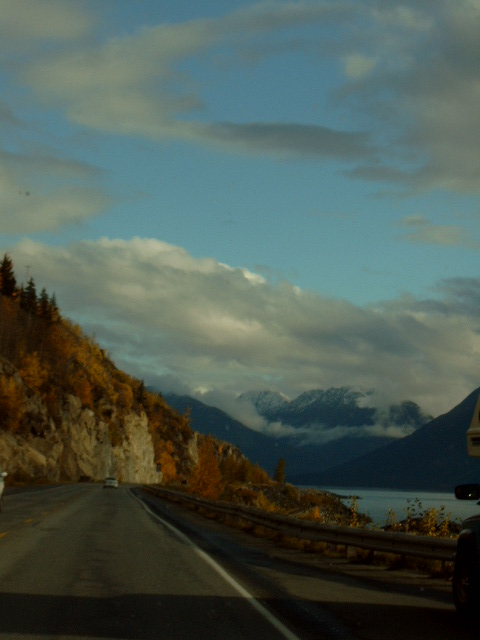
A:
x,y
74,443
77,445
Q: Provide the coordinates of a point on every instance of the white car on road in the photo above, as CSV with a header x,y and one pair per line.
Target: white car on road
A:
x,y
2,485
110,483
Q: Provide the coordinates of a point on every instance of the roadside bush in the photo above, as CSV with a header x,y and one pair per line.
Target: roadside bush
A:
x,y
426,522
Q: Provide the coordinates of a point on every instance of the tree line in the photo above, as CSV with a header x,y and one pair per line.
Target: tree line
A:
x,y
42,305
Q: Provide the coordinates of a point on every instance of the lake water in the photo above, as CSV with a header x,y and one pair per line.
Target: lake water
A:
x,y
377,502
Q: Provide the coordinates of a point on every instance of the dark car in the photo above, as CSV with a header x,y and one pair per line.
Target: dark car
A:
x,y
466,573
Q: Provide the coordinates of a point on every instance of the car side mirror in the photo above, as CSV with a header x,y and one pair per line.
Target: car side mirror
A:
x,y
467,492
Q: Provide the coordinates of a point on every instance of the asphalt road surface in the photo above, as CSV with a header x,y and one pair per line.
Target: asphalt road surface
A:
x,y
83,562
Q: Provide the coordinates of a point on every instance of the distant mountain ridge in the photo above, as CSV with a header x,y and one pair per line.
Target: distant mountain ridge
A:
x,y
324,427
333,407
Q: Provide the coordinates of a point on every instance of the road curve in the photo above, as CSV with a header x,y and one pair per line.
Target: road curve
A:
x,y
88,563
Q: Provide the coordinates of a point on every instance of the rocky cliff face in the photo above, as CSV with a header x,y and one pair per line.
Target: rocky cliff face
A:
x,y
86,450
72,443
79,448
77,445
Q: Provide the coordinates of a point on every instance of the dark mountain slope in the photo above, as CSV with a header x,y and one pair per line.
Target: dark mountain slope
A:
x,y
257,447
266,450
433,458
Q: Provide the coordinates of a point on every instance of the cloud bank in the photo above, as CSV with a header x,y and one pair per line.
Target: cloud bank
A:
x,y
41,191
410,89
186,323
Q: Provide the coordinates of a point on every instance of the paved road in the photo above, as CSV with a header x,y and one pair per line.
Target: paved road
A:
x,y
335,598
84,562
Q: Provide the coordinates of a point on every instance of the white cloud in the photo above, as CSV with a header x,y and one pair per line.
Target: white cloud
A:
x,y
358,66
427,89
317,434
42,192
27,22
411,87
161,312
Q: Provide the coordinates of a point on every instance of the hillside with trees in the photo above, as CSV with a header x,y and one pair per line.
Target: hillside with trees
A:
x,y
68,413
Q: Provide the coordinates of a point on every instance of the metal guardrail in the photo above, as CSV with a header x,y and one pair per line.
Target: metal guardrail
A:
x,y
403,544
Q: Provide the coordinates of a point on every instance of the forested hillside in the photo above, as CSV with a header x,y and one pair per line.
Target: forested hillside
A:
x,y
54,357
59,391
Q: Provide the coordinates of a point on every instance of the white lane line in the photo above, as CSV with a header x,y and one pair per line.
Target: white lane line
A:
x,y
275,622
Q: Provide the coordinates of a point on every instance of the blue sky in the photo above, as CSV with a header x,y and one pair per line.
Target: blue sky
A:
x,y
248,195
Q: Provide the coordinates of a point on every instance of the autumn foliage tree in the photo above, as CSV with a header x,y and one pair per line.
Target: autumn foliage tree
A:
x,y
168,465
207,480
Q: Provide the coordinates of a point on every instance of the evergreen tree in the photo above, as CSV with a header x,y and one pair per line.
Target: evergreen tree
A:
x,y
279,475
44,305
8,282
28,297
54,312
141,393
20,293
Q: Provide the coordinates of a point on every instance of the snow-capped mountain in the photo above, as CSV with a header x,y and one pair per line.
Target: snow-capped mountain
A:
x,y
330,408
329,426
267,403
334,407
